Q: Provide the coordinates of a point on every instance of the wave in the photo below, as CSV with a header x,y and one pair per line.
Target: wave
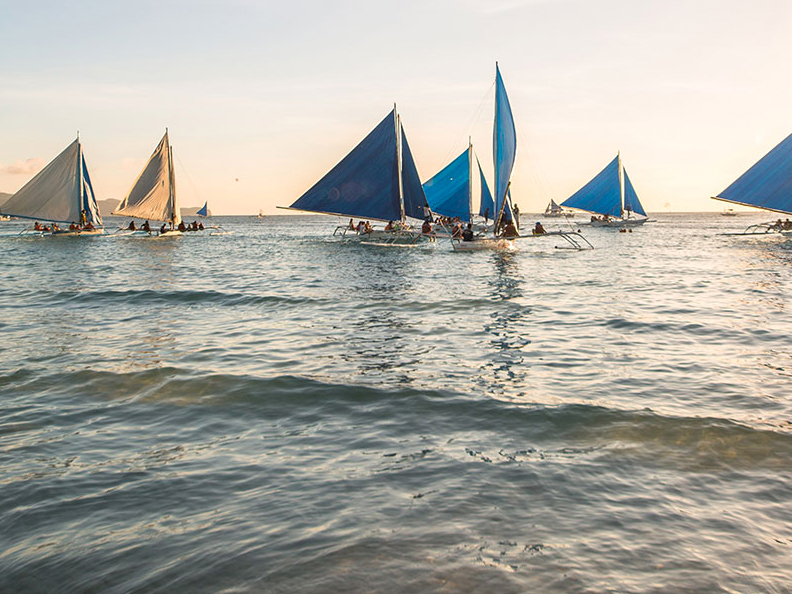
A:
x,y
148,296
522,431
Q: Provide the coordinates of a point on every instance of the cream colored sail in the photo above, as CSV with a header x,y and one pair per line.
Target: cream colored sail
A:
x,y
153,196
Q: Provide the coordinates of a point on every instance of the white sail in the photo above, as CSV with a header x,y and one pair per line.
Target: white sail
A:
x,y
153,196
59,192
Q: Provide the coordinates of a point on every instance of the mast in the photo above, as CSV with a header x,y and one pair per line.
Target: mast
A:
x,y
80,181
397,123
621,185
470,178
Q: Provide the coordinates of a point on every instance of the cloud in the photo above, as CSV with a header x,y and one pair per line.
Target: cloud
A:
x,y
23,168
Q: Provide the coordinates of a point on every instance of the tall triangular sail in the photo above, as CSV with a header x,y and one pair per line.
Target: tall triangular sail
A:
x,y
602,195
631,202
372,181
204,210
153,196
504,145
487,206
767,184
60,192
448,191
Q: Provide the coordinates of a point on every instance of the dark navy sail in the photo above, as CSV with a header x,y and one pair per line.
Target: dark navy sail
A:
x,y
631,202
768,184
204,210
601,195
365,183
448,192
414,197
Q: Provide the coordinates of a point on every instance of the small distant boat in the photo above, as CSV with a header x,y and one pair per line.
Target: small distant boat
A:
x,y
610,194
765,185
729,212
378,181
60,193
261,214
204,210
553,210
153,195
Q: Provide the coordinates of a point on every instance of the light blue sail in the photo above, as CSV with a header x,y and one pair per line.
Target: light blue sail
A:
x,y
602,195
448,192
504,144
365,183
204,210
768,184
631,202
88,198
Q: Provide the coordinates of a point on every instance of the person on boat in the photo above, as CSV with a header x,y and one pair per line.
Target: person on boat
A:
x,y
486,215
145,226
83,217
456,231
516,211
509,230
73,227
163,229
467,234
200,227
131,226
359,226
426,228
787,225
55,228
182,227
351,225
389,226
38,226
778,225
539,229
427,212
88,226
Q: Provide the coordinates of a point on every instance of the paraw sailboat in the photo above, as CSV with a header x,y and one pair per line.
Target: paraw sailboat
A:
x,y
610,194
59,193
153,195
377,180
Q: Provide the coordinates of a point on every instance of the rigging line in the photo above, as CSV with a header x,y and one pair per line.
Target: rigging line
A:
x,y
472,121
183,171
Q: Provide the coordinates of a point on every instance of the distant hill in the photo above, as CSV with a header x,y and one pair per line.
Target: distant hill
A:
x,y
106,206
192,211
109,204
3,197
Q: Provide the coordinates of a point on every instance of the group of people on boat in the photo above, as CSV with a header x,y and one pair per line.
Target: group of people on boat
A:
x,y
55,228
780,225
603,219
194,226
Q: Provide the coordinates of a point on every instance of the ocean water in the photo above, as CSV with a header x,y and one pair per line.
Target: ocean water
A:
x,y
278,411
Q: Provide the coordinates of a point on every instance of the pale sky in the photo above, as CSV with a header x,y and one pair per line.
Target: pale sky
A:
x,y
273,94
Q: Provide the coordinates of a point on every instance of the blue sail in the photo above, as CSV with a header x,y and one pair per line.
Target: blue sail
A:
x,y
413,193
448,192
768,184
204,210
601,195
504,142
365,183
88,198
487,204
631,202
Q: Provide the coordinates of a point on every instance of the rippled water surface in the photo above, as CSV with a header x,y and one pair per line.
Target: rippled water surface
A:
x,y
278,411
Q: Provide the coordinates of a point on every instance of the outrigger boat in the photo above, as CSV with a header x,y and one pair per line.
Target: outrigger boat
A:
x,y
504,145
554,211
766,185
610,194
153,195
59,193
376,181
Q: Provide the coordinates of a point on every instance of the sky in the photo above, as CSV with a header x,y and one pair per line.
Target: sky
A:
x,y
262,98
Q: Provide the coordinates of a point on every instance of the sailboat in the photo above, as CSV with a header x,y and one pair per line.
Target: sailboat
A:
x,y
504,149
153,195
60,193
204,210
451,190
610,194
377,180
553,210
766,185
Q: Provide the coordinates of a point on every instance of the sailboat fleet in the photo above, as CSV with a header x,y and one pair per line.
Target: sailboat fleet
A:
x,y
378,181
